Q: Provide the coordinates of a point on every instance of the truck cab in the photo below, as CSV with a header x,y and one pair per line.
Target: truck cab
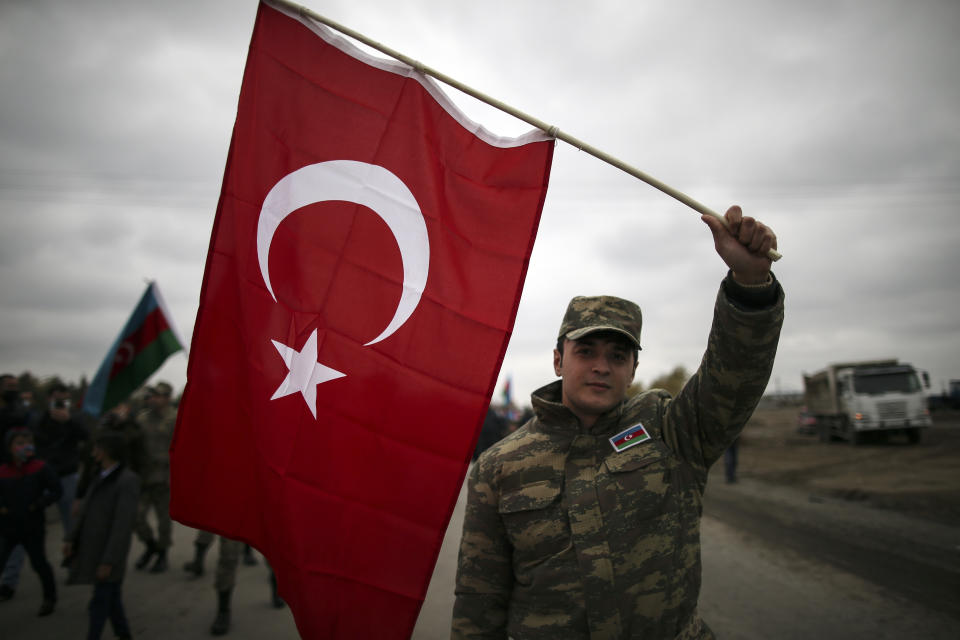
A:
x,y
887,398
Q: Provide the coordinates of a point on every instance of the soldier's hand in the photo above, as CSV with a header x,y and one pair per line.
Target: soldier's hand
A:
x,y
744,246
103,572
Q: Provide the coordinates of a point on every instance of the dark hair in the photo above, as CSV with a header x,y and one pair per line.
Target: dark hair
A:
x,y
114,445
14,432
59,388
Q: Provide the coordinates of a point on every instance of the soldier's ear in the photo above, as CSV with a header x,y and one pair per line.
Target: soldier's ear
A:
x,y
557,361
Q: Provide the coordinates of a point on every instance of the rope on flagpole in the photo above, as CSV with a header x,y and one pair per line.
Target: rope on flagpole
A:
x,y
550,130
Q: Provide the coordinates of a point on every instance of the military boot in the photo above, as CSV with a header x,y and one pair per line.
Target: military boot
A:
x,y
147,555
161,564
221,624
195,566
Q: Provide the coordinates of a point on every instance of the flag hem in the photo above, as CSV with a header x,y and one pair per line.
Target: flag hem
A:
x,y
405,70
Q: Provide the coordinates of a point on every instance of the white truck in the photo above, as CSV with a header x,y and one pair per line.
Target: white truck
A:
x,y
852,399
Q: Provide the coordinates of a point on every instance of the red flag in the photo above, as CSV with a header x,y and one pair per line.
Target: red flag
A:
x,y
363,276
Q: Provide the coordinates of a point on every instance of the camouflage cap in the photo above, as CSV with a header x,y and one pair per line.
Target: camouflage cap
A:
x,y
160,389
587,314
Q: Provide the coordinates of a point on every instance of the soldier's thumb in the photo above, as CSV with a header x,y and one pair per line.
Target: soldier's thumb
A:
x,y
716,227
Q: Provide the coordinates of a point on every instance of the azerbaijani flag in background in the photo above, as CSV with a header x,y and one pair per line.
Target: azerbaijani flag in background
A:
x,y
147,340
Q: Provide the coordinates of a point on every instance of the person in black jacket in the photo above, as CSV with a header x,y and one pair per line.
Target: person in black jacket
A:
x,y
27,486
61,440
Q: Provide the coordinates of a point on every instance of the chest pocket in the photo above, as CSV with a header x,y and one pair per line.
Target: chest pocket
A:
x,y
639,483
534,519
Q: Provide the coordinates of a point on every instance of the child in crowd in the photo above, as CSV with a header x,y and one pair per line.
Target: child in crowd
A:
x,y
27,486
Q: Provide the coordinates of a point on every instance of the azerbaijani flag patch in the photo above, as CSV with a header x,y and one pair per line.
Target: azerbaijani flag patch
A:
x,y
626,439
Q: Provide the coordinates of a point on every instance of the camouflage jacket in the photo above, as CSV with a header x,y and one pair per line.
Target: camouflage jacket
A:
x,y
565,537
157,431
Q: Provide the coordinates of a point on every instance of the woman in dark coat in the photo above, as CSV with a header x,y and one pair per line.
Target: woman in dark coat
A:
x,y
99,543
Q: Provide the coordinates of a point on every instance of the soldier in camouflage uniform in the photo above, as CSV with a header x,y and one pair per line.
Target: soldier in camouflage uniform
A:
x,y
585,522
229,558
226,576
157,422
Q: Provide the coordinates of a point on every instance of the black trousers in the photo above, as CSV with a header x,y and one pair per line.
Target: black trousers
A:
x,y
33,543
105,604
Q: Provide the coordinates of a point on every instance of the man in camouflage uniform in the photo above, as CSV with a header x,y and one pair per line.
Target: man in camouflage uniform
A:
x,y
585,523
157,422
229,558
226,576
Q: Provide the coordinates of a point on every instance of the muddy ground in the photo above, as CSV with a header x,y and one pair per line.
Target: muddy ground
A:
x,y
920,480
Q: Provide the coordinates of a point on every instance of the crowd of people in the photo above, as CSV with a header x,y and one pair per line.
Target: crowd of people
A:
x,y
110,482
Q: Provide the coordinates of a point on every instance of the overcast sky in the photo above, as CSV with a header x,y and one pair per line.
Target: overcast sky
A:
x,y
837,123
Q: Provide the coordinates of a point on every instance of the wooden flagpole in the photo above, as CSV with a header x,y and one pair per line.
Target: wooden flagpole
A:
x,y
550,130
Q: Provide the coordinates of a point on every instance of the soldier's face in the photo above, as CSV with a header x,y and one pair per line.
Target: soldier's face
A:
x,y
596,371
156,401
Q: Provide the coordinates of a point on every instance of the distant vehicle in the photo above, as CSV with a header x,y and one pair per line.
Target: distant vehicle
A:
x,y
948,399
806,422
851,399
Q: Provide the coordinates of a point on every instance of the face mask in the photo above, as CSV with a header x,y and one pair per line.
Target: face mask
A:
x,y
24,452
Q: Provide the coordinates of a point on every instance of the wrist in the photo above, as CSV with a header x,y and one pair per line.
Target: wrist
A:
x,y
752,279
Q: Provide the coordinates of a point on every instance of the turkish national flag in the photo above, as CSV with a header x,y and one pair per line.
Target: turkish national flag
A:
x,y
363,275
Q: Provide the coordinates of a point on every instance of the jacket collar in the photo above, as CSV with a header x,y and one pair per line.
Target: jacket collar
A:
x,y
110,477
553,415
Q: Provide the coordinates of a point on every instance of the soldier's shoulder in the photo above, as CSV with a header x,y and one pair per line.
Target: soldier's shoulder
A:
x,y
510,447
515,442
651,399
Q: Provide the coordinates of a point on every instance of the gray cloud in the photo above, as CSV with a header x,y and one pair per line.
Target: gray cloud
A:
x,y
835,122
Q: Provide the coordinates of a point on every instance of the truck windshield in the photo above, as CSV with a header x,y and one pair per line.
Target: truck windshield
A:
x,y
902,382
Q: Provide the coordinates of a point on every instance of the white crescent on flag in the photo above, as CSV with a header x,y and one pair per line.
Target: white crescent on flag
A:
x,y
362,183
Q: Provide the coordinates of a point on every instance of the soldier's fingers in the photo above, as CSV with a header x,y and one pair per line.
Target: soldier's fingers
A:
x,y
748,228
733,216
759,236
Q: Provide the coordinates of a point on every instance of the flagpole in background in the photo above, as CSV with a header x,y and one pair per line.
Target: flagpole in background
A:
x,y
551,130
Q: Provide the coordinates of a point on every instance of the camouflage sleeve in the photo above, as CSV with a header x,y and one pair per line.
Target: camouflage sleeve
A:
x,y
715,404
484,571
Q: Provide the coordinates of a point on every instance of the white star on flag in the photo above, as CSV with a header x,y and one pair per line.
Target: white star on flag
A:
x,y
305,372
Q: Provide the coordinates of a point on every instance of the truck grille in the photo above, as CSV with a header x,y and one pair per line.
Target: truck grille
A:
x,y
892,410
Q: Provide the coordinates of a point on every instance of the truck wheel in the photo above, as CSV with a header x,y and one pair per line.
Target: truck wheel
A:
x,y
913,435
856,438
823,430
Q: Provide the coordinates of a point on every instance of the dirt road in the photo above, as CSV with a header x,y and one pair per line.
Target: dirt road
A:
x,y
780,563
815,541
